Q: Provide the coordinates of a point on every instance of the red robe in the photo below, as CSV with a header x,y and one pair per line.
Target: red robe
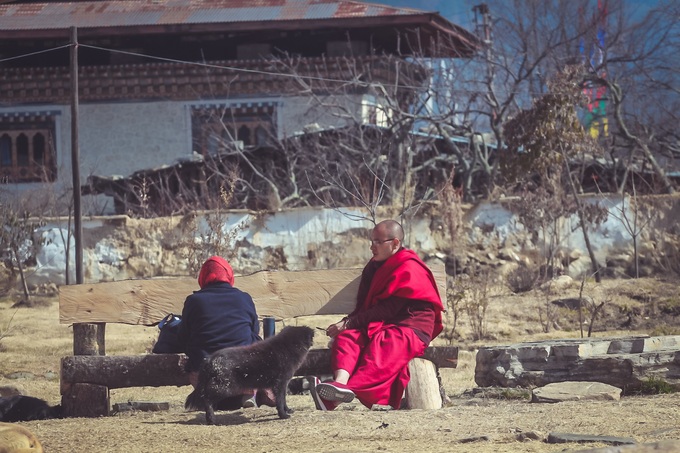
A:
x,y
377,357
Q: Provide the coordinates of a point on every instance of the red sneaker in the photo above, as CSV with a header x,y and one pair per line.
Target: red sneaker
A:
x,y
334,391
320,403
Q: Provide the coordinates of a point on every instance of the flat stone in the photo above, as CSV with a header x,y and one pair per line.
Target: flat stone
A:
x,y
468,440
20,375
664,446
624,362
575,391
563,438
530,435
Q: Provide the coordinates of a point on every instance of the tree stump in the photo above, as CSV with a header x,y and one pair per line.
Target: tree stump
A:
x,y
85,400
422,391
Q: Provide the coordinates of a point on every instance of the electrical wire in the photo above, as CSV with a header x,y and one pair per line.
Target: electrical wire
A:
x,y
34,53
246,70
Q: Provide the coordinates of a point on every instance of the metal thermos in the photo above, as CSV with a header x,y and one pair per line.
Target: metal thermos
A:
x,y
268,326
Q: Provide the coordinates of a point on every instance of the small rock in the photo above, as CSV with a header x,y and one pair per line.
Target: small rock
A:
x,y
559,284
20,375
468,440
575,391
51,376
530,435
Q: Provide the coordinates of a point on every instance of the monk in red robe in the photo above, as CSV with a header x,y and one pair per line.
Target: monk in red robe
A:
x,y
398,313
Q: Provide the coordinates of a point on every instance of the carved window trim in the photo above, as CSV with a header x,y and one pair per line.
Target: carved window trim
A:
x,y
27,148
218,128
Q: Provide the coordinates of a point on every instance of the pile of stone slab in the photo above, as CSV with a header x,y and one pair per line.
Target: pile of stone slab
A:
x,y
624,362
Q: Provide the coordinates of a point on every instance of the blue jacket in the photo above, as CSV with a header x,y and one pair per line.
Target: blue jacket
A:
x,y
218,316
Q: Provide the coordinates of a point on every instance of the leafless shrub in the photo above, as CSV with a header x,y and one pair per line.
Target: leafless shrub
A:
x,y
451,215
455,293
5,330
590,306
476,302
522,279
548,313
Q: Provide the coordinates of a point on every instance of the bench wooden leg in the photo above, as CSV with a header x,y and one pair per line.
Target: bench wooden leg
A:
x,y
85,400
423,390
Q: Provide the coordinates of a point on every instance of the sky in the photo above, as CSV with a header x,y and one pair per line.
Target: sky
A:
x,y
460,12
457,11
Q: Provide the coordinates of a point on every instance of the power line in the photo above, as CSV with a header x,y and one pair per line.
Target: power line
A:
x,y
34,53
255,71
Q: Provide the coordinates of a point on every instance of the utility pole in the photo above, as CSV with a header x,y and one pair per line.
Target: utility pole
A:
x,y
75,158
88,339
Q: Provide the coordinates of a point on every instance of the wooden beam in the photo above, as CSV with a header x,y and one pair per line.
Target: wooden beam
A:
x,y
151,370
282,294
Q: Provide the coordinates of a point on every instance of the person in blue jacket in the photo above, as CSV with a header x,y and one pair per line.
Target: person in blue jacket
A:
x,y
215,317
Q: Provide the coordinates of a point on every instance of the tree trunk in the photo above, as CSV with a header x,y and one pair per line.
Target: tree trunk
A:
x,y
20,266
582,222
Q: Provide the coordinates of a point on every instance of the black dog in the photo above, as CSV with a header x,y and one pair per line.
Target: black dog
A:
x,y
22,408
267,364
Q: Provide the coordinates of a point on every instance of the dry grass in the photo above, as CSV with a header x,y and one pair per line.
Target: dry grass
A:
x,y
34,342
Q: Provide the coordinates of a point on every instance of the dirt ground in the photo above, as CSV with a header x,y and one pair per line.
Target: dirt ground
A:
x,y
32,343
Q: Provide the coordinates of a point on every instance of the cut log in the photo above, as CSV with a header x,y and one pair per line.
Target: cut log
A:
x,y
159,370
152,370
422,391
85,400
282,294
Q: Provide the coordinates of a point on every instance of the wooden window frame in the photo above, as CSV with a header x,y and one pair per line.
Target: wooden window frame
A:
x,y
20,149
214,127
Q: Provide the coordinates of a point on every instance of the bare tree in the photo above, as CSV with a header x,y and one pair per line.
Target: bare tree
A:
x,y
542,142
631,69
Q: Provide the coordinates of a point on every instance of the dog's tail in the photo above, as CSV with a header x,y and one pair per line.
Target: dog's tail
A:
x,y
194,401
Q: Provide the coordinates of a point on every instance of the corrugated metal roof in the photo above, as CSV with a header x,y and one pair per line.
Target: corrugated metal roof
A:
x,y
117,13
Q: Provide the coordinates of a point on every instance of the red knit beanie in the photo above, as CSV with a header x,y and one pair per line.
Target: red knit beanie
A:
x,y
215,270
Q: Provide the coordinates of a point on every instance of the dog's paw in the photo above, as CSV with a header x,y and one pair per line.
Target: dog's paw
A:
x,y
283,415
289,410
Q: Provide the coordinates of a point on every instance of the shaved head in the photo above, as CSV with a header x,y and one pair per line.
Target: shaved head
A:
x,y
391,228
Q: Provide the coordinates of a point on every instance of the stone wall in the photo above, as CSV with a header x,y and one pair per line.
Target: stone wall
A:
x,y
117,248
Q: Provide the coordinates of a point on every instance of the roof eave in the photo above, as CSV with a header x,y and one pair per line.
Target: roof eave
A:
x,y
431,20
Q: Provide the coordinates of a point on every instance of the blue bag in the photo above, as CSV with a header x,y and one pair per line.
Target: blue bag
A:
x,y
168,338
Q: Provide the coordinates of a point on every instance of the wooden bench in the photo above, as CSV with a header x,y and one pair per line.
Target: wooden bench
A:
x,y
88,375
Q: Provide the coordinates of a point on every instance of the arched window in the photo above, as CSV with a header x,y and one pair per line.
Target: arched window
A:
x,y
249,123
26,149
23,157
244,135
39,149
261,136
5,151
